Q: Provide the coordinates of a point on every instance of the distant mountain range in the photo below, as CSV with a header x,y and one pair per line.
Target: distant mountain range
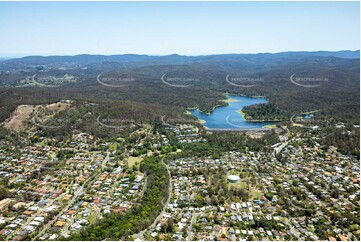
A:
x,y
173,59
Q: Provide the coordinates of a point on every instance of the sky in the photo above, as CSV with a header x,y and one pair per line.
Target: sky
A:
x,y
186,28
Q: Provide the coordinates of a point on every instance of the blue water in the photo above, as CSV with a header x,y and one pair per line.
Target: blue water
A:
x,y
228,118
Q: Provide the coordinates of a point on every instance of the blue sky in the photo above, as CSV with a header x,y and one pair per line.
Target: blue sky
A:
x,y
188,28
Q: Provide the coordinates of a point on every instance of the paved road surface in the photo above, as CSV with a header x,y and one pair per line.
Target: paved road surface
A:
x,y
105,160
190,228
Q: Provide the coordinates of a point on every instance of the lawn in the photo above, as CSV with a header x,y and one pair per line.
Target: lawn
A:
x,y
239,184
255,194
113,147
133,160
92,218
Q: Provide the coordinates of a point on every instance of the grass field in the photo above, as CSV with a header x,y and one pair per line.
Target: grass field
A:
x,y
132,161
92,218
255,194
113,147
240,184
273,126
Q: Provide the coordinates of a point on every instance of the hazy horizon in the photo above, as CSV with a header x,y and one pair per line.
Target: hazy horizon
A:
x,y
21,56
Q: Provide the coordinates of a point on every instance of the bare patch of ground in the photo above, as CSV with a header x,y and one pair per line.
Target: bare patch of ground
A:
x,y
16,122
23,113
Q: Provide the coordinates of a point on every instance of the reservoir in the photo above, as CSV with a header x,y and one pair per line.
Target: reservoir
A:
x,y
227,117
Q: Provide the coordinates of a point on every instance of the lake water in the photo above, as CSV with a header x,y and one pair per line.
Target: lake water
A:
x,y
228,118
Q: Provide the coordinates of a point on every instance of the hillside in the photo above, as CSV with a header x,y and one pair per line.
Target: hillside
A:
x,y
193,81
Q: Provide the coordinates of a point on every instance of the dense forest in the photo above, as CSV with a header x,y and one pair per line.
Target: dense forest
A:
x,y
148,97
337,97
263,112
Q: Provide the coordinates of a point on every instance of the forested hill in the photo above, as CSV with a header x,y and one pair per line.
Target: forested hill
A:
x,y
269,75
174,59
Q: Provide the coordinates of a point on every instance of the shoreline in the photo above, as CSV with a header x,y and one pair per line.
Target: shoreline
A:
x,y
256,120
242,95
201,121
311,112
227,101
230,100
208,113
239,130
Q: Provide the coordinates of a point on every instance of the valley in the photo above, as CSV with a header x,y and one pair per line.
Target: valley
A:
x,y
180,121
127,158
